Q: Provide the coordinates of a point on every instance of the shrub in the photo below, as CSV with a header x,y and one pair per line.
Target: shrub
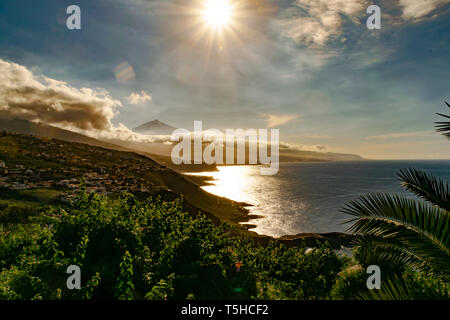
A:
x,y
130,249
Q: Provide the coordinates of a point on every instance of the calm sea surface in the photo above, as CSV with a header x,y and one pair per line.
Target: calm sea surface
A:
x,y
306,197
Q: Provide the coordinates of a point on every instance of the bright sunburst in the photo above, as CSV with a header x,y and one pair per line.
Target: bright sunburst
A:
x,y
218,13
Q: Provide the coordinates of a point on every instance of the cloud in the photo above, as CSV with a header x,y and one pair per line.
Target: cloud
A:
x,y
302,147
416,9
313,136
139,98
400,135
276,120
26,96
314,22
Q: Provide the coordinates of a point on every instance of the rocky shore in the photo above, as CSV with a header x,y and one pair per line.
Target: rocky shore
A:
x,y
337,240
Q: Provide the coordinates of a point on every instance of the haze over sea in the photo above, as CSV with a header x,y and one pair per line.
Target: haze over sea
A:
x,y
307,197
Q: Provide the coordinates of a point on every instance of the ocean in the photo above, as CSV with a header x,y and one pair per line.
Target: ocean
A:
x,y
307,197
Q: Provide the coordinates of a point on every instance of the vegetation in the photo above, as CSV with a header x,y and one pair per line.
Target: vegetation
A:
x,y
150,247
16,206
141,246
129,249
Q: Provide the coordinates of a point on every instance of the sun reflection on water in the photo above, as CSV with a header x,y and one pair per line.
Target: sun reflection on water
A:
x,y
232,182
264,194
307,197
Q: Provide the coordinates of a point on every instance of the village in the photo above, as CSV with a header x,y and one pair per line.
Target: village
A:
x,y
54,166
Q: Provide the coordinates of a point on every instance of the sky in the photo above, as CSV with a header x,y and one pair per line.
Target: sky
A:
x,y
310,68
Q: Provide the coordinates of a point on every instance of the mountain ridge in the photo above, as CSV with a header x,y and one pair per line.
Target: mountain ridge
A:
x,y
151,149
47,131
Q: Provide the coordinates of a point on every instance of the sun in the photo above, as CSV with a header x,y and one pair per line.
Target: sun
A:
x,y
218,13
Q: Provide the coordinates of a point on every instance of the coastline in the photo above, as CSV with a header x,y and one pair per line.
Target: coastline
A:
x,y
337,240
166,182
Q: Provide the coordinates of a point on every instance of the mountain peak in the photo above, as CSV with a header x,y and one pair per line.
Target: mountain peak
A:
x,y
155,122
155,127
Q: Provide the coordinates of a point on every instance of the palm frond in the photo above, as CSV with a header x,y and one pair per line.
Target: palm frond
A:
x,y
407,223
400,211
386,253
426,186
392,289
398,288
444,126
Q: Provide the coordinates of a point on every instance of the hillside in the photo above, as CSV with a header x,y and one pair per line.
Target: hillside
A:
x,y
33,164
47,131
159,152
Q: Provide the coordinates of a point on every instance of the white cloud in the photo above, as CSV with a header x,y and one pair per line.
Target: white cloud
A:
x,y
314,136
400,135
302,147
276,120
26,96
416,9
139,98
314,22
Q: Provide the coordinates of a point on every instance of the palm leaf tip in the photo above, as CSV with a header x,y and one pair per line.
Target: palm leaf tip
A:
x,y
444,126
426,187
